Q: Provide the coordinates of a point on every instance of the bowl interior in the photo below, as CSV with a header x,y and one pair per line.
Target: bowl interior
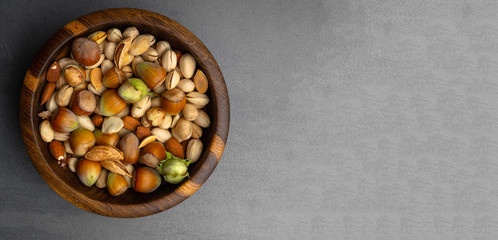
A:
x,y
167,193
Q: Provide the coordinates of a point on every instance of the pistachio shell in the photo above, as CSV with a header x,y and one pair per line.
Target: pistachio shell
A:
x,y
141,44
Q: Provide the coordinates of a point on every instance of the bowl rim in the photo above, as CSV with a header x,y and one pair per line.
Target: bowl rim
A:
x,y
35,75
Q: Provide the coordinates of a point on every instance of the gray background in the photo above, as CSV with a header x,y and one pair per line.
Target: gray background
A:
x,y
350,120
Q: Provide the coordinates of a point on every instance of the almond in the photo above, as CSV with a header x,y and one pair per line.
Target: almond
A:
x,y
57,150
130,123
104,153
147,140
142,132
47,92
116,167
54,72
175,148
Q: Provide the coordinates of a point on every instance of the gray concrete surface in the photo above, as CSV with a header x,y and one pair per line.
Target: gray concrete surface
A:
x,y
350,120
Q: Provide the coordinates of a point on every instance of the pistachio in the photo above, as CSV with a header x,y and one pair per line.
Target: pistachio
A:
x,y
196,130
63,96
186,85
190,112
64,62
162,135
175,119
187,65
47,133
112,125
86,122
155,116
94,90
161,47
127,71
121,51
102,180
130,32
72,164
114,35
127,59
61,136
141,107
194,150
168,60
98,36
166,122
203,119
172,79
106,66
109,49
61,82
101,46
156,101
51,105
198,99
141,44
183,129
67,148
135,62
150,55
145,121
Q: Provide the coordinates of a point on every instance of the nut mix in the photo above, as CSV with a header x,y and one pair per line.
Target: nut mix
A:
x,y
124,110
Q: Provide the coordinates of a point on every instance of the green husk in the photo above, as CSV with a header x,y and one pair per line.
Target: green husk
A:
x,y
133,90
174,169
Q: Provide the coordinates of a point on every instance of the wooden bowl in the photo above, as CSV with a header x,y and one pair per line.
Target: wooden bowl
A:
x,y
65,182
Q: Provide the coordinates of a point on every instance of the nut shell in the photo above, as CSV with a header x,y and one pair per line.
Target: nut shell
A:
x,y
64,120
106,139
129,146
83,102
111,103
81,140
146,180
173,101
88,171
155,148
116,184
152,74
113,78
187,65
85,51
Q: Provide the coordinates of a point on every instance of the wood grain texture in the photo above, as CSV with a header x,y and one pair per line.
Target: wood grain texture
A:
x,y
131,204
